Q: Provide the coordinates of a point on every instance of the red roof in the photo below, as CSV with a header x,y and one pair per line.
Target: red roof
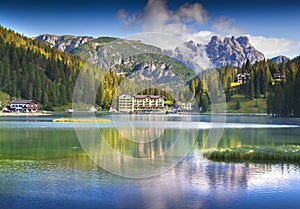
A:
x,y
145,96
22,102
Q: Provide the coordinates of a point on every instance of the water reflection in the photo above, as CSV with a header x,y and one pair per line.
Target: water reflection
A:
x,y
47,168
141,128
193,183
219,185
121,156
115,138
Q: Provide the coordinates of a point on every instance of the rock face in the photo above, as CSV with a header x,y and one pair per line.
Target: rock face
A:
x,y
231,51
64,43
93,50
160,72
120,55
192,55
279,59
217,53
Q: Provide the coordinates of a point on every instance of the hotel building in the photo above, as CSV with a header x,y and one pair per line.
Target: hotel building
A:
x,y
143,103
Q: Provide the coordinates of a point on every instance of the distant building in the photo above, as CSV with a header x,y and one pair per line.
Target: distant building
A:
x,y
128,103
242,77
69,110
278,76
148,102
125,103
23,106
186,106
121,74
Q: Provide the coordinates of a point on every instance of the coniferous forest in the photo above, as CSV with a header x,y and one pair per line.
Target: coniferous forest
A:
x,y
30,69
279,84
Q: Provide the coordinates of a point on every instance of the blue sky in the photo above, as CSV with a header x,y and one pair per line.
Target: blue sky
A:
x,y
271,26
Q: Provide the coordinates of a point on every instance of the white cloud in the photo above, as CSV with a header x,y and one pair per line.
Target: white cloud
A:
x,y
128,21
158,39
156,17
223,25
184,22
192,12
202,37
122,14
187,20
175,26
275,46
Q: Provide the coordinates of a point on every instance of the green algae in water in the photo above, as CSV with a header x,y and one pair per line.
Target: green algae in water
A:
x,y
37,144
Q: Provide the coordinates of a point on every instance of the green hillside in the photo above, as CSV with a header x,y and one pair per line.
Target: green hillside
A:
x,y
116,54
134,53
266,87
30,69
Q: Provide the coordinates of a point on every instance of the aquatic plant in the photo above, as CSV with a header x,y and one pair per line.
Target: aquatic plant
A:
x,y
98,120
284,153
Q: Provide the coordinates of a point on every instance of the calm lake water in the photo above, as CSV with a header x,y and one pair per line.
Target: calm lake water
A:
x,y
43,165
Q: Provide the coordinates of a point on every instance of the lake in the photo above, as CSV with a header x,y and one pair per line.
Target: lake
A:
x,y
59,165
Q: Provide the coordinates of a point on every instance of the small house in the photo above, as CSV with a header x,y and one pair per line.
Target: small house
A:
x,y
186,106
242,77
23,106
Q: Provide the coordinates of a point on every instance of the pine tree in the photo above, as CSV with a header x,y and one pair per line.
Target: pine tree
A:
x,y
250,86
228,90
297,95
192,86
238,105
278,100
204,102
265,78
256,82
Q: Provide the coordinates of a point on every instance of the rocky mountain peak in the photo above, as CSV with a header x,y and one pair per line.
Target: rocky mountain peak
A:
x,y
232,51
192,45
280,59
217,53
244,41
63,43
229,40
51,39
215,40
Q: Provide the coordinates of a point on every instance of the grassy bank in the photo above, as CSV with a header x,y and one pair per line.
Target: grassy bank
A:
x,y
258,105
288,153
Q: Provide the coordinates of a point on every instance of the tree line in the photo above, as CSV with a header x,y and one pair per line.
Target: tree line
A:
x,y
30,69
279,84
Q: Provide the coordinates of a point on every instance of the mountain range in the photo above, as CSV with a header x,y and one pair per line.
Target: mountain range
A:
x,y
46,70
123,56
280,59
231,51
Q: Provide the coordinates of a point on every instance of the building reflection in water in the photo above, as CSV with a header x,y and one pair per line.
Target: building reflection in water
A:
x,y
212,184
193,182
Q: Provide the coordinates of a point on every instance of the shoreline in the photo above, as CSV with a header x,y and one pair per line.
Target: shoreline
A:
x,y
109,113
25,114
